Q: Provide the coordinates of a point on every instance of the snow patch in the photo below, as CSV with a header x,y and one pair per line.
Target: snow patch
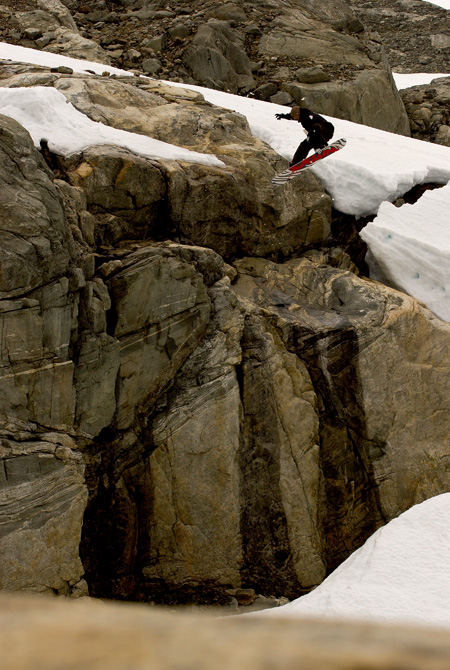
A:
x,y
400,575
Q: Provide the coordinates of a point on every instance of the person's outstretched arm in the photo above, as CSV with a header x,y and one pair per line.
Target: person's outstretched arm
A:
x,y
284,116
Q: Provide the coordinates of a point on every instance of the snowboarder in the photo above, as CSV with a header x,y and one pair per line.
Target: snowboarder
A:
x,y
319,131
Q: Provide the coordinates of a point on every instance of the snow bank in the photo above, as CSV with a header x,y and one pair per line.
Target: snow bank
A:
x,y
374,166
400,575
410,249
45,113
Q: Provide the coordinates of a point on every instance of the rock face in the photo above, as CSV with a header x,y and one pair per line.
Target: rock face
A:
x,y
194,383
253,49
43,491
216,58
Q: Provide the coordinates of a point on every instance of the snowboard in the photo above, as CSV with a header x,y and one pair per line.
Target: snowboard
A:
x,y
294,170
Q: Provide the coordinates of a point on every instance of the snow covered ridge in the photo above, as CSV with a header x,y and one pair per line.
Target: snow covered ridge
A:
x,y
400,575
375,167
45,113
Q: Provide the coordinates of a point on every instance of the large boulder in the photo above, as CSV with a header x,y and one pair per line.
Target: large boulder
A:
x,y
301,423
51,27
370,99
368,95
217,59
371,353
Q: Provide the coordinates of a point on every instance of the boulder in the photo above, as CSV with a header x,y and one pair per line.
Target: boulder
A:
x,y
335,13
60,11
54,29
70,43
302,373
217,59
380,106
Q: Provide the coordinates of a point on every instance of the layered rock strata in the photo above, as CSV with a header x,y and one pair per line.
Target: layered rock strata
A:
x,y
194,382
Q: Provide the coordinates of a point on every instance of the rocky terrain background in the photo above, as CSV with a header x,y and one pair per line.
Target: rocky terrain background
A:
x,y
204,399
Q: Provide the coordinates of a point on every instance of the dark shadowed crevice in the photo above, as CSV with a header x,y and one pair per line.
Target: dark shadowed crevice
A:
x,y
353,510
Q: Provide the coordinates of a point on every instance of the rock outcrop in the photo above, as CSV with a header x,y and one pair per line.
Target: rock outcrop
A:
x,y
414,33
43,491
49,25
195,383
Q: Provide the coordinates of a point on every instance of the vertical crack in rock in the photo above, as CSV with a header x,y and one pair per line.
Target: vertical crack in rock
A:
x,y
353,510
115,533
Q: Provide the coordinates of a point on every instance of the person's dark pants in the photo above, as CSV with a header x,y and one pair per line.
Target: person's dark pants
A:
x,y
316,142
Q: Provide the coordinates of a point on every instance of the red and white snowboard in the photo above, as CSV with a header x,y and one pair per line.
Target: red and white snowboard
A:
x,y
294,170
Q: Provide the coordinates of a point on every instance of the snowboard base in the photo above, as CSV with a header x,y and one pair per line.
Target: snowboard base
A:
x,y
294,170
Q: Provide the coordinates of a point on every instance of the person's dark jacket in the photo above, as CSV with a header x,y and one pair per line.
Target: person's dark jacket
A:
x,y
316,127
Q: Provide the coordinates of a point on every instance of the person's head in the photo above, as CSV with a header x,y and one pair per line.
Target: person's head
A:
x,y
295,113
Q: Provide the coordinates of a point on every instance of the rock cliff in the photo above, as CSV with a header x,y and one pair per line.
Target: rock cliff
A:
x,y
200,392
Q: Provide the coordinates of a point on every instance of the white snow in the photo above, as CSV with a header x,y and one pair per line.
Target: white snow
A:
x,y
375,168
445,4
400,575
416,79
45,113
403,248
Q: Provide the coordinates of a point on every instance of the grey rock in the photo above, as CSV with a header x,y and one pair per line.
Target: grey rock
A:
x,y
180,31
228,12
152,66
440,41
42,504
265,91
443,136
216,53
282,98
157,43
342,99
312,75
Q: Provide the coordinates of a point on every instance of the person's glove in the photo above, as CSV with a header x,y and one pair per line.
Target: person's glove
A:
x,y
282,116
